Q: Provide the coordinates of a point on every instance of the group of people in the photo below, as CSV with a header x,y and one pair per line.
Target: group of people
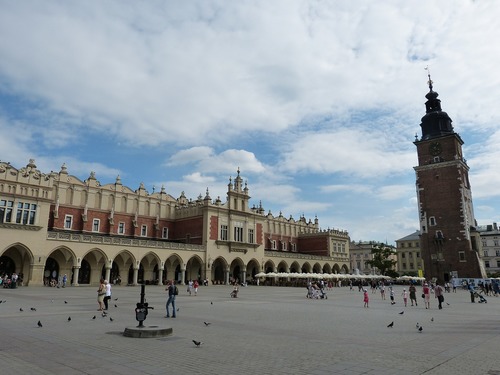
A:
x,y
103,295
411,293
11,281
193,287
316,290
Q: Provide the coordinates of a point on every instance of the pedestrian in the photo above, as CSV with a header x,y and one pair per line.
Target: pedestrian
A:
x,y
471,291
413,294
438,293
107,296
366,299
190,287
405,296
100,295
172,293
382,290
65,280
195,287
391,295
426,292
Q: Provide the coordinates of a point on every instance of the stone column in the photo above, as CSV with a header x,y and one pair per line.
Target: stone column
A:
x,y
108,274
183,276
227,276
36,275
76,273
160,276
136,275
243,275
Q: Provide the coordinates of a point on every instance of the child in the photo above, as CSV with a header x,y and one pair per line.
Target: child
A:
x,y
405,296
391,293
365,297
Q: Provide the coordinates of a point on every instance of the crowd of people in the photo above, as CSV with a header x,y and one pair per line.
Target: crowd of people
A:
x,y
12,280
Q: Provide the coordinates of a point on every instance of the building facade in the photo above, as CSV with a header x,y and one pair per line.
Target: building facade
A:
x,y
490,244
361,252
449,242
53,224
409,256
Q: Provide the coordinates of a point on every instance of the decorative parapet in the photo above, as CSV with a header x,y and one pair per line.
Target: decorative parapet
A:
x,y
276,254
117,241
20,226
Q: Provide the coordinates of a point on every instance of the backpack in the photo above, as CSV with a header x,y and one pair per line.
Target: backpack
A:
x,y
176,291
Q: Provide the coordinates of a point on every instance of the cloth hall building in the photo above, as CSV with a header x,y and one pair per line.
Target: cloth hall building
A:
x,y
52,224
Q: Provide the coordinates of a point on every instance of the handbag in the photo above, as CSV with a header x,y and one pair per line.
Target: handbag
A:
x,y
423,295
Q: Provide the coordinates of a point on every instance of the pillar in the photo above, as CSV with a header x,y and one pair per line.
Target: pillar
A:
x,y
76,273
108,274
136,275
227,276
160,276
243,275
183,276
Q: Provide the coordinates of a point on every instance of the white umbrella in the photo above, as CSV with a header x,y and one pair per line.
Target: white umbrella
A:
x,y
260,274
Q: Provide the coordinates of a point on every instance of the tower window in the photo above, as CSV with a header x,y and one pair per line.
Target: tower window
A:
x,y
68,221
432,221
461,256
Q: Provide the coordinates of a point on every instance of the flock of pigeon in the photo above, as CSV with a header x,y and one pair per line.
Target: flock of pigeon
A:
x,y
40,325
418,326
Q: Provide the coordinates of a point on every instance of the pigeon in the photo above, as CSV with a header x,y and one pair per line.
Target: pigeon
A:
x,y
393,303
391,324
401,313
104,314
69,318
116,299
417,326
432,319
211,302
420,329
93,317
111,319
33,309
52,301
177,309
21,309
447,303
116,305
40,324
65,301
207,323
197,343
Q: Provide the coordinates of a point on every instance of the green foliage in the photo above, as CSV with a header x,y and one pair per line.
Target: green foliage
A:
x,y
381,259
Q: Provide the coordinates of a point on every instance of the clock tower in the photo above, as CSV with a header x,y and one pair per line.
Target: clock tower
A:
x,y
449,241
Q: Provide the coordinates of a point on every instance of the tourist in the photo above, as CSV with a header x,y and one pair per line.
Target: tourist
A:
x,y
172,292
426,292
101,292
107,296
438,293
366,299
413,294
405,296
195,287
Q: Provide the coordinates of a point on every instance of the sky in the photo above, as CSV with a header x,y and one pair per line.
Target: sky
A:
x,y
317,103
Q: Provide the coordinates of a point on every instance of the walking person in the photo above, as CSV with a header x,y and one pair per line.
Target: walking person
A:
x,y
405,296
366,299
382,290
107,296
172,293
427,295
391,295
438,293
413,294
195,287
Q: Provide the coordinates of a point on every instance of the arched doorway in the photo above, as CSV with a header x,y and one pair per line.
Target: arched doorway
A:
x,y
7,265
84,274
51,272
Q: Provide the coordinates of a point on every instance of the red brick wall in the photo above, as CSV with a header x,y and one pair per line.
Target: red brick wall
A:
x,y
259,235
214,227
317,245
192,227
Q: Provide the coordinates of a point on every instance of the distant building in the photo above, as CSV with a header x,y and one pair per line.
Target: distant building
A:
x,y
449,242
490,241
409,255
53,224
360,252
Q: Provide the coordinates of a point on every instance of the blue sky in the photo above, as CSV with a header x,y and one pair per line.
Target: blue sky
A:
x,y
316,102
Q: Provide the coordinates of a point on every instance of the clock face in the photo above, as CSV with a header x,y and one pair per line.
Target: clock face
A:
x,y
435,148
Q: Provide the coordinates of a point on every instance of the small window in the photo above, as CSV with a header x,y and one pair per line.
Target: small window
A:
x,y
432,221
404,266
273,244
68,221
485,253
439,235
95,225
411,266
164,233
223,232
461,256
487,264
121,227
251,238
418,254
283,246
144,230
403,255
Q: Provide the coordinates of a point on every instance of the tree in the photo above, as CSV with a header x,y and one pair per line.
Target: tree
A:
x,y
381,254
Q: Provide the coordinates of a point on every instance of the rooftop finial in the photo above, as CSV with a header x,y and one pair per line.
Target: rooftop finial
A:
x,y
429,75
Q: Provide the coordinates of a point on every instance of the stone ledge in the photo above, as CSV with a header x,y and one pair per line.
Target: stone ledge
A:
x,y
147,332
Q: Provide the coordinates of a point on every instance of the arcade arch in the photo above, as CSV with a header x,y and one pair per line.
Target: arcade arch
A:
x,y
17,258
